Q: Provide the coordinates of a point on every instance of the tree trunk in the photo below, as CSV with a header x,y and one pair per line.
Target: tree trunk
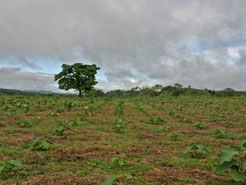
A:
x,y
80,93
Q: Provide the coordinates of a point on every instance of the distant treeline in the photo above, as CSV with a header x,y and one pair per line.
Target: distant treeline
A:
x,y
175,90
156,90
27,93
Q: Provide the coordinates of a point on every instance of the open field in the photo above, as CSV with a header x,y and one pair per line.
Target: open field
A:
x,y
67,140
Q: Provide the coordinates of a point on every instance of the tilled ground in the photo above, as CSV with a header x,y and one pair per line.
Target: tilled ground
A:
x,y
93,149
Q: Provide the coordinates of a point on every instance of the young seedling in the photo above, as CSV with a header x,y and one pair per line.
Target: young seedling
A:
x,y
124,179
156,120
188,120
201,125
68,105
220,133
25,108
41,145
24,124
117,162
51,114
175,135
118,126
162,128
196,150
87,111
61,127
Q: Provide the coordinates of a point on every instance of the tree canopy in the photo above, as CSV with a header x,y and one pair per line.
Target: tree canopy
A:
x,y
78,76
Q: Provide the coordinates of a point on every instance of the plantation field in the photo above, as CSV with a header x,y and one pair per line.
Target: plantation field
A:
x,y
153,140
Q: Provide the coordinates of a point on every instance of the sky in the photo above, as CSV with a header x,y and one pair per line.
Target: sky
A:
x,y
134,42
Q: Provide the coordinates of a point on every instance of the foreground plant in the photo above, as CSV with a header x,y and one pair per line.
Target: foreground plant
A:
x,y
162,128
124,179
117,162
220,133
61,127
196,150
235,161
119,128
87,110
156,120
9,168
201,125
24,124
175,135
38,144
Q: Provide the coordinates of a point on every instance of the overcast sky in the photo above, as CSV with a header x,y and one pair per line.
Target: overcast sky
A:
x,y
135,42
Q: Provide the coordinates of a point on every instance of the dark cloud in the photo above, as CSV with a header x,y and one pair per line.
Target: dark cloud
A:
x,y
130,39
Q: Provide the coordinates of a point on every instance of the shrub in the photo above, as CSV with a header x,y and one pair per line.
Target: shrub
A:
x,y
178,92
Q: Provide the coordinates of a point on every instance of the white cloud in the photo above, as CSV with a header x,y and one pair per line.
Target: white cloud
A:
x,y
130,39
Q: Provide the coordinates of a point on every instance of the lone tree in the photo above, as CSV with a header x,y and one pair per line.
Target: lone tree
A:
x,y
77,76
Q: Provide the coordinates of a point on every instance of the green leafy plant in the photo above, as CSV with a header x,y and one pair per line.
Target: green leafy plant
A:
x,y
196,150
37,119
220,133
9,168
38,144
23,124
119,109
87,111
201,125
117,162
175,135
25,108
230,125
75,122
124,179
61,127
235,161
156,120
179,116
172,112
119,128
188,120
51,114
60,109
68,105
162,128
119,120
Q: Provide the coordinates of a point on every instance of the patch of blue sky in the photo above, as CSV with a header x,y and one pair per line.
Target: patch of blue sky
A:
x,y
194,47
13,62
237,43
141,76
49,65
200,47
101,75
32,64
